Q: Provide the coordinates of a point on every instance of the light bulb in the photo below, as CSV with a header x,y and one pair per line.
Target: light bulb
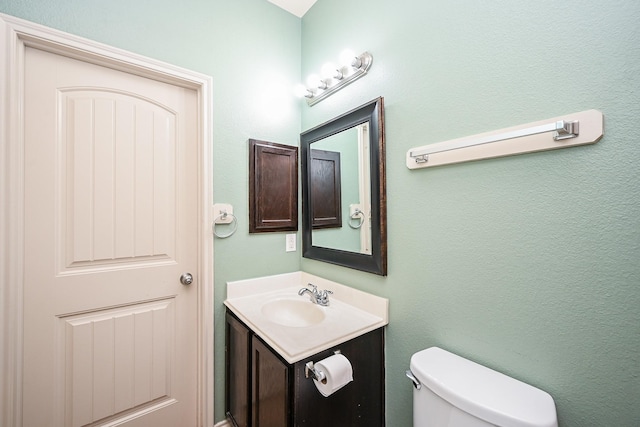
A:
x,y
356,62
302,91
313,80
331,71
346,57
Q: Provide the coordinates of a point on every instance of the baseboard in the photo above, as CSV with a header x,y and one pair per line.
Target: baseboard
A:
x,y
223,423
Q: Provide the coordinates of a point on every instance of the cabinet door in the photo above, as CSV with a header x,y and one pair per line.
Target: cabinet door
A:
x,y
238,386
270,388
359,403
273,187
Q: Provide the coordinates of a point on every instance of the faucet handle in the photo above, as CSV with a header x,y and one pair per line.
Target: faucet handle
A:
x,y
314,287
323,297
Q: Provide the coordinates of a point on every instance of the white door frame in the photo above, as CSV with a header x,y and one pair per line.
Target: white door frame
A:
x,y
15,36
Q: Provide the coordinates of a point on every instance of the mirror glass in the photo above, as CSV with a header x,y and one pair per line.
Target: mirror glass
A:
x,y
344,204
353,197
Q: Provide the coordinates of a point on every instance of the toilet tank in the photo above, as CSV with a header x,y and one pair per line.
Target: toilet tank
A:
x,y
456,392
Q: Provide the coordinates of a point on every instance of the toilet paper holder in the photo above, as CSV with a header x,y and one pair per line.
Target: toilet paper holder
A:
x,y
311,372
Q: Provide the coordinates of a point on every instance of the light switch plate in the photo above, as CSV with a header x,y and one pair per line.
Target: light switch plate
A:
x,y
291,243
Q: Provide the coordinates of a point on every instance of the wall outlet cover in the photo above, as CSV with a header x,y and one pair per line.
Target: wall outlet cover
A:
x,y
291,243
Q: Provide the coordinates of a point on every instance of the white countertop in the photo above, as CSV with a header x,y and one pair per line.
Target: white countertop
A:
x,y
351,313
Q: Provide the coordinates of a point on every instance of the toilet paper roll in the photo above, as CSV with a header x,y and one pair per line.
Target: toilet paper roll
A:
x,y
337,372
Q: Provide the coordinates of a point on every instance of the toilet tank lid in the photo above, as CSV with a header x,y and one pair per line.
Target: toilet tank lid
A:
x,y
483,392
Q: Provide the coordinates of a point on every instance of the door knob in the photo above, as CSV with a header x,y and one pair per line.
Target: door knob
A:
x,y
186,279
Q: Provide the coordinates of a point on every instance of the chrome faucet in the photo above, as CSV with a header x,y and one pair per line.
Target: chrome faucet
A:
x,y
317,297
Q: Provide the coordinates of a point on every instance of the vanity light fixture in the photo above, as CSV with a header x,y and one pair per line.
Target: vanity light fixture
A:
x,y
333,78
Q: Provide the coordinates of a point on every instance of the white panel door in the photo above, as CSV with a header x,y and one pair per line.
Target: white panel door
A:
x,y
110,333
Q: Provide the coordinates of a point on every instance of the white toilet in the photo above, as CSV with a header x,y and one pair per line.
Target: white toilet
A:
x,y
450,391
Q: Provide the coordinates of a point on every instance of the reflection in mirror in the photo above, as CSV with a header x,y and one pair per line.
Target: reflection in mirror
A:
x,y
340,182
326,188
343,186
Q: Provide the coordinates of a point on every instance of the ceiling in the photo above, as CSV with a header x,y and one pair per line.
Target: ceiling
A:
x,y
297,7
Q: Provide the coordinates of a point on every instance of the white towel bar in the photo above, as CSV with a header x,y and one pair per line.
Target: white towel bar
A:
x,y
571,130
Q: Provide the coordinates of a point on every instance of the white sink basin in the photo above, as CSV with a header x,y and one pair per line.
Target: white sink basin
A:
x,y
294,326
293,313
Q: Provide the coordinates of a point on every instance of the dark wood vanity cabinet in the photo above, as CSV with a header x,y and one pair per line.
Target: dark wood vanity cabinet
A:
x,y
263,390
238,372
270,391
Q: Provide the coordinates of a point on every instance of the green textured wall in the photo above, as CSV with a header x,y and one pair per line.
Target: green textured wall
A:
x,y
527,264
251,48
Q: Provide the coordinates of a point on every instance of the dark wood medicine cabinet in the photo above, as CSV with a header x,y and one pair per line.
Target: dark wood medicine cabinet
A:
x,y
273,187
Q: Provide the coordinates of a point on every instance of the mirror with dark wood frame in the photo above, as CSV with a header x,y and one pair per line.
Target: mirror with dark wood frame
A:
x,y
343,190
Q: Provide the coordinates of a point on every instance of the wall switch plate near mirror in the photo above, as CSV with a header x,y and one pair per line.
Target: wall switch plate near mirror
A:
x,y
343,190
290,245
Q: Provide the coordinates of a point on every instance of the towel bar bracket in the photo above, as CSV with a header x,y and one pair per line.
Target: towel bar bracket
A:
x,y
566,130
